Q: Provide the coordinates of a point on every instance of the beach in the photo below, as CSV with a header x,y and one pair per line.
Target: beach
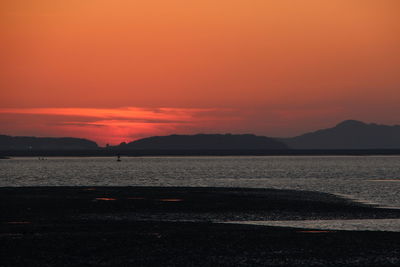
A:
x,y
186,226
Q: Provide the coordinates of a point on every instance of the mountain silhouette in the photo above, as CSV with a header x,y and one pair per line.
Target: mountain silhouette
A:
x,y
349,134
205,141
44,143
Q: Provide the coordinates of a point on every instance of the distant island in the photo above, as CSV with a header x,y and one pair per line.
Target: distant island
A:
x,y
206,142
347,135
44,143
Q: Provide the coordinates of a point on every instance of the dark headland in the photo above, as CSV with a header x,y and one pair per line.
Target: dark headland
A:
x,y
24,143
156,226
351,135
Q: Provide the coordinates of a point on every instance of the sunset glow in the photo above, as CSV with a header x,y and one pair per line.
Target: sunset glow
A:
x,y
118,70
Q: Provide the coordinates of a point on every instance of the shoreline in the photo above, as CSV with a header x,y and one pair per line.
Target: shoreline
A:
x,y
181,226
188,152
220,202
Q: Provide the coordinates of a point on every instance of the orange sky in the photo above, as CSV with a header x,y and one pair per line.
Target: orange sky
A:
x,y
117,70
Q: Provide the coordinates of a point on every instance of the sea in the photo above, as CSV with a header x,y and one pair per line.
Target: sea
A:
x,y
368,179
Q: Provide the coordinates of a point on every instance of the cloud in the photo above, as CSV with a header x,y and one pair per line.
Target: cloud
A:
x,y
110,125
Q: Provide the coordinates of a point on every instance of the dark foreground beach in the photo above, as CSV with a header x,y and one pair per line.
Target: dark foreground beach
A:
x,y
155,226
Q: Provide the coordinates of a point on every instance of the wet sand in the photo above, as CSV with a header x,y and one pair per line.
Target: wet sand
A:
x,y
156,226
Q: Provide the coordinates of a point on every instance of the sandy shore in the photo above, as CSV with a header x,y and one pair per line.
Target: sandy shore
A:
x,y
155,226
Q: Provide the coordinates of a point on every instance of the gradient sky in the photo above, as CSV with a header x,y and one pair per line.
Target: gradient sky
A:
x,y
118,70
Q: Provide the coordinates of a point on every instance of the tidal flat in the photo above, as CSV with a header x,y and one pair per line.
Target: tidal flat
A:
x,y
186,226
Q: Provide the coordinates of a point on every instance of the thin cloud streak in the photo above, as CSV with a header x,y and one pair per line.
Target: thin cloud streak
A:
x,y
126,112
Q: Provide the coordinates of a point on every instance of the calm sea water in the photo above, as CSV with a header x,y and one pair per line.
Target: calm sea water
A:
x,y
370,178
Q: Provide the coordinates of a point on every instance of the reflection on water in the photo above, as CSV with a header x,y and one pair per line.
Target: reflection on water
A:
x,y
354,176
171,200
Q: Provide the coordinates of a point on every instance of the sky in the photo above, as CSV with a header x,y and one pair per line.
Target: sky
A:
x,y
118,70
